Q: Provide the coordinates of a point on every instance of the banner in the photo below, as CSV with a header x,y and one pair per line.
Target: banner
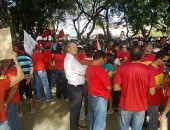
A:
x,y
29,43
61,34
5,44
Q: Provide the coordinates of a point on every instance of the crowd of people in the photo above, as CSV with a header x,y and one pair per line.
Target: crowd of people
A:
x,y
130,79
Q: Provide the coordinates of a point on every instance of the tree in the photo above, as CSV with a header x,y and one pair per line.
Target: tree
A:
x,y
89,10
34,15
138,15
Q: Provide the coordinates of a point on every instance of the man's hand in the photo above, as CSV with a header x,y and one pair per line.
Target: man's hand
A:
x,y
28,81
161,117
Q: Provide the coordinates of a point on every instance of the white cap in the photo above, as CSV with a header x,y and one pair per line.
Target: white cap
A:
x,y
155,50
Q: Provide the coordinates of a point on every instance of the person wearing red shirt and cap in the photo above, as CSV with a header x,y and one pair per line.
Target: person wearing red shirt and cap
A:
x,y
5,84
134,80
61,81
48,55
39,64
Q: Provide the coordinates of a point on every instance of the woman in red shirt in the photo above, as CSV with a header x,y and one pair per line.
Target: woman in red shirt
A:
x,y
61,81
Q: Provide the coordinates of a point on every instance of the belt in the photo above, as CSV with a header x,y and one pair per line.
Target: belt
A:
x,y
81,85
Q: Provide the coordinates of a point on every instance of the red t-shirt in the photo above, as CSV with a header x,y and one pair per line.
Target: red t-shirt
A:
x,y
148,59
158,97
167,92
122,55
39,61
97,80
4,85
118,53
12,71
48,56
134,79
59,61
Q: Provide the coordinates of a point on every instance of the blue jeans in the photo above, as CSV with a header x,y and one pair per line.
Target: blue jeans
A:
x,y
4,125
41,79
153,117
49,75
61,83
12,116
97,113
128,117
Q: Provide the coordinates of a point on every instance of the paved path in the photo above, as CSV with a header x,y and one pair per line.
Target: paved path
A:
x,y
54,115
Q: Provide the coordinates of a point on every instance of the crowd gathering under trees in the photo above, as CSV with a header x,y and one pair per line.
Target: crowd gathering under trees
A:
x,y
99,73
34,16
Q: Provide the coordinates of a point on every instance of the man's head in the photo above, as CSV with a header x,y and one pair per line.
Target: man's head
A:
x,y
72,48
99,57
148,48
38,47
124,47
80,51
89,52
20,49
136,53
161,57
164,40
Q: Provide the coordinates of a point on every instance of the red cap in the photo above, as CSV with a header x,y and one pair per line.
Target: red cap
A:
x,y
37,46
48,44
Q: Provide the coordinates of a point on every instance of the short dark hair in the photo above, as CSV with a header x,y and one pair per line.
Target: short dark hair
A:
x,y
161,54
124,44
99,54
136,53
21,47
89,52
110,58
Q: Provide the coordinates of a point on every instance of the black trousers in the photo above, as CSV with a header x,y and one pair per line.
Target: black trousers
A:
x,y
75,96
25,88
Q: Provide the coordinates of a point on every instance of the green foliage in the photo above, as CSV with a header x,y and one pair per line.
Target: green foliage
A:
x,y
35,15
139,14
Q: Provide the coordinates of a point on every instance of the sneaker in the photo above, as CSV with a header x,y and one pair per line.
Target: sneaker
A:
x,y
110,112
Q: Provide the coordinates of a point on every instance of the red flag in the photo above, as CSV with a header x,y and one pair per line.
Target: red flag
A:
x,y
45,33
61,34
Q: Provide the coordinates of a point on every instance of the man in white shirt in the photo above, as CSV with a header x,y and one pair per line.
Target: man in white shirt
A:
x,y
75,74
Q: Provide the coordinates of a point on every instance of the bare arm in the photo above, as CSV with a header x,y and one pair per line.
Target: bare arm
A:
x,y
166,110
11,94
30,75
151,91
109,87
117,87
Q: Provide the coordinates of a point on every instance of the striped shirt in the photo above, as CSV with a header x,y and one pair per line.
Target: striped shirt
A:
x,y
25,63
